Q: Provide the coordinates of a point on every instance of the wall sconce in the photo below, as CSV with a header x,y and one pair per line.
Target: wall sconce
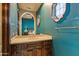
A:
x,y
38,20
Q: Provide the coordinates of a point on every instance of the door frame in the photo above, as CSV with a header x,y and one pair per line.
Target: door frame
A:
x,y
5,30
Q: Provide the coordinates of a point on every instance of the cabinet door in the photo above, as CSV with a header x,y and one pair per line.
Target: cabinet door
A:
x,y
29,53
39,46
13,50
46,50
38,52
32,49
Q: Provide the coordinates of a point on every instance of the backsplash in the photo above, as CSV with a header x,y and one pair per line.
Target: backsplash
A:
x,y
13,20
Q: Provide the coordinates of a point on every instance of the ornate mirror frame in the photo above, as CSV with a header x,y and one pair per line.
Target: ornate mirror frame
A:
x,y
56,11
20,22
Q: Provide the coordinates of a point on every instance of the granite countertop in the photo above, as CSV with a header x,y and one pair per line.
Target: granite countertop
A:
x,y
30,38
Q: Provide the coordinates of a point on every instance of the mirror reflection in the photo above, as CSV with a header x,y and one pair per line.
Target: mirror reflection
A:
x,y
27,24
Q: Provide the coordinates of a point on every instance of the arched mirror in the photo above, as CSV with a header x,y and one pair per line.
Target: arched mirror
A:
x,y
27,24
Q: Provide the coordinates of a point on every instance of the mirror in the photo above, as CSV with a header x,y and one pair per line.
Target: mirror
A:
x,y
58,11
27,24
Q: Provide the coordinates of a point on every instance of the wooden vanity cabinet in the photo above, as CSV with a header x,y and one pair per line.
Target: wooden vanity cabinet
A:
x,y
42,48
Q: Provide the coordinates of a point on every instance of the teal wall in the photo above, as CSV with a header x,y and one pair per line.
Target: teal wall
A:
x,y
13,19
65,41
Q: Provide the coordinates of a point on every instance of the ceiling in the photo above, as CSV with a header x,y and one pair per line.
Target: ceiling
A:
x,y
29,6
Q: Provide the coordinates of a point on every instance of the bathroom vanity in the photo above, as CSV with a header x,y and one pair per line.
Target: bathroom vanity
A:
x,y
28,43
31,45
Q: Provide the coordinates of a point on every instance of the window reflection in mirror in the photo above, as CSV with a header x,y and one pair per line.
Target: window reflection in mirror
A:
x,y
58,11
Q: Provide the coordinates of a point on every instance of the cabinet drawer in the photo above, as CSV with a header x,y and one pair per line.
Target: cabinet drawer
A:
x,y
47,42
31,44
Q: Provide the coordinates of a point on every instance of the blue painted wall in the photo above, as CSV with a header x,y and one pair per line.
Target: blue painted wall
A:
x,y
27,23
65,41
13,20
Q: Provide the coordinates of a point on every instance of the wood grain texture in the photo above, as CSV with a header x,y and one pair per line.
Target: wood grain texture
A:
x,y
42,48
5,29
